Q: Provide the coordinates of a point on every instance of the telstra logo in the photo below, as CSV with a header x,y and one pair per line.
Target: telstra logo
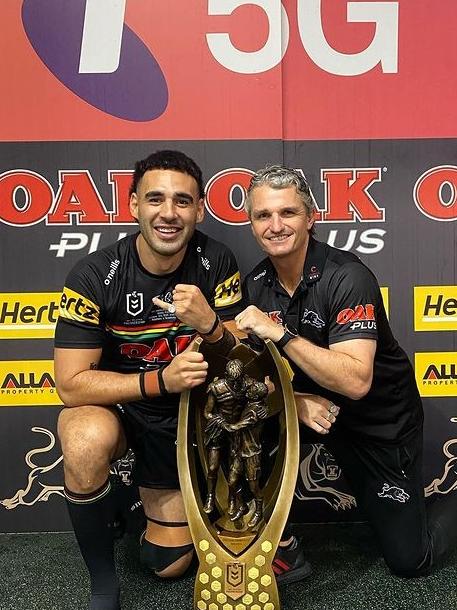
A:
x,y
89,48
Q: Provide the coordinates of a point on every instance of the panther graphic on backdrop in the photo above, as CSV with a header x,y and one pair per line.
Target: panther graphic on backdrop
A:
x,y
317,469
448,480
38,489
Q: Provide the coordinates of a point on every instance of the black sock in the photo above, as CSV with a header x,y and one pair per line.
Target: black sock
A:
x,y
92,519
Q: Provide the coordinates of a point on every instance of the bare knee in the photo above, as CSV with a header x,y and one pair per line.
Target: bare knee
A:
x,y
90,438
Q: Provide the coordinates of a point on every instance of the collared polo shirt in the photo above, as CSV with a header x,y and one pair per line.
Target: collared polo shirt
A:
x,y
339,299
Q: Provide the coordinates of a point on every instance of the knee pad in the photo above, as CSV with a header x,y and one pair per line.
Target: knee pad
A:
x,y
157,558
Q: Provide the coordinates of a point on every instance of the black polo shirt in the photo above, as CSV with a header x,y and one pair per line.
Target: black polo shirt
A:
x,y
337,300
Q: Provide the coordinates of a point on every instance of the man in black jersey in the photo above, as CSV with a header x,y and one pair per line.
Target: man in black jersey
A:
x,y
354,385
127,315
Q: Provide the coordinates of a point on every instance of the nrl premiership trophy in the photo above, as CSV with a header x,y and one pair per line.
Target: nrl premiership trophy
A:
x,y
238,452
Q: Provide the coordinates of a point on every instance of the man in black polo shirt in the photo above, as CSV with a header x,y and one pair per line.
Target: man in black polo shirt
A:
x,y
353,383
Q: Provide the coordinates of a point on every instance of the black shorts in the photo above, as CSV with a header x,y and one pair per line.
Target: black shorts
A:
x,y
153,440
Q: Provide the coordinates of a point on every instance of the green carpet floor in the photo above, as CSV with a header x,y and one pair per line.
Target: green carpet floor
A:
x,y
45,572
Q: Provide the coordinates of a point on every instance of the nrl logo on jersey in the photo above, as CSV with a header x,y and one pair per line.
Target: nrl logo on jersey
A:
x,y
134,303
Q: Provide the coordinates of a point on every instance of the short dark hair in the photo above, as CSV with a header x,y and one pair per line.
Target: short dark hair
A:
x,y
168,159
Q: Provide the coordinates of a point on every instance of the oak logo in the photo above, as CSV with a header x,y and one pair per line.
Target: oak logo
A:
x,y
436,373
435,308
362,317
228,292
28,315
28,383
276,316
74,306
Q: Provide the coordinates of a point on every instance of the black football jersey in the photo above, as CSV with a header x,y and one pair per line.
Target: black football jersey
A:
x,y
107,303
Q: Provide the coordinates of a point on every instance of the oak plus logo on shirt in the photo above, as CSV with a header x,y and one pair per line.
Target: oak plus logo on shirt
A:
x,y
361,317
276,316
436,373
435,308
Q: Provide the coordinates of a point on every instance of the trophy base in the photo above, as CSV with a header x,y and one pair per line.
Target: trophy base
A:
x,y
247,583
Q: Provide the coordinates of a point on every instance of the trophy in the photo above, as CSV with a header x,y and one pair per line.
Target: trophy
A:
x,y
238,454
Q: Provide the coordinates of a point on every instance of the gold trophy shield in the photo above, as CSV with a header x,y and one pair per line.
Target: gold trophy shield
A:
x,y
235,560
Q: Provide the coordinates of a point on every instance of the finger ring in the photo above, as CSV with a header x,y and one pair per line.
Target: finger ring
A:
x,y
172,308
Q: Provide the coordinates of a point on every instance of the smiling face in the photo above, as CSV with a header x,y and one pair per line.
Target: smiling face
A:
x,y
167,206
279,220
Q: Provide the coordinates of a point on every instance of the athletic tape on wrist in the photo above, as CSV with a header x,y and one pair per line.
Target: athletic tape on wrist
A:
x,y
149,384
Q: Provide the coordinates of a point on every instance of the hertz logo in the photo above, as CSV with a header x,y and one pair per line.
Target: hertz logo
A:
x,y
436,373
28,383
435,308
28,315
228,292
74,306
385,299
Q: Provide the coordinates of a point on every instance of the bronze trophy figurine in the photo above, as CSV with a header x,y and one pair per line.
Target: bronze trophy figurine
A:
x,y
234,409
237,496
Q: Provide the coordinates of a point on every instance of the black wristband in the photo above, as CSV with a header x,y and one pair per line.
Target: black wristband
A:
x,y
142,388
213,327
162,388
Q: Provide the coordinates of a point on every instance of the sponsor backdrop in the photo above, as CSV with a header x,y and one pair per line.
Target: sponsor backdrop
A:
x,y
347,92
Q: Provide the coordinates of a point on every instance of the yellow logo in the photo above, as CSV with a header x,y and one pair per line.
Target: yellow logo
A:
x,y
28,315
436,373
74,306
28,383
229,291
385,299
435,308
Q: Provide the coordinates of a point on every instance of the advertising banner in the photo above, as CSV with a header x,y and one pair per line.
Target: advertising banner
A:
x,y
358,95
